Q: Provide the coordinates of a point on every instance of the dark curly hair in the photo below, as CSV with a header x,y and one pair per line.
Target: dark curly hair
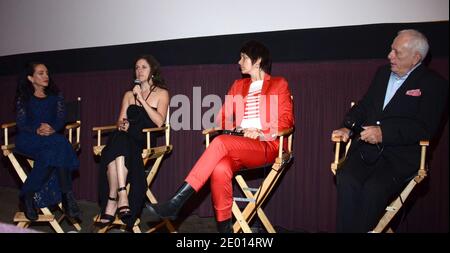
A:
x,y
25,88
155,71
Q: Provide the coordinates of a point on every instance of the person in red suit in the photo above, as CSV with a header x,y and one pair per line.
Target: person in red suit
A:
x,y
260,105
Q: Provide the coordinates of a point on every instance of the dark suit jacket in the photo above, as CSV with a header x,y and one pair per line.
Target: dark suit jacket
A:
x,y
413,114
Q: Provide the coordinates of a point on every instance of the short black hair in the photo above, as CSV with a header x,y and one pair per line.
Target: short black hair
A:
x,y
256,50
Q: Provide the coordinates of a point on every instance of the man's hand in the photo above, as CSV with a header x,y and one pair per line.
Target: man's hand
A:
x,y
343,133
372,134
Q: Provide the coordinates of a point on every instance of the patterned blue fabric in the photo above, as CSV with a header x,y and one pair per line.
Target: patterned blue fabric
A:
x,y
48,152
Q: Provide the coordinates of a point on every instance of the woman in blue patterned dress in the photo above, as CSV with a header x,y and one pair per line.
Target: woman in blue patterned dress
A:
x,y
40,118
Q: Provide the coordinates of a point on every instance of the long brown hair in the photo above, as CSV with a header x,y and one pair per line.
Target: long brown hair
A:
x,y
155,71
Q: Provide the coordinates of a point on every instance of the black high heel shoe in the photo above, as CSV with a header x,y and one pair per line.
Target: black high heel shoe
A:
x,y
104,216
123,215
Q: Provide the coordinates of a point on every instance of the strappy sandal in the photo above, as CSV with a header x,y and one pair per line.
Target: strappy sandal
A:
x,y
104,216
123,214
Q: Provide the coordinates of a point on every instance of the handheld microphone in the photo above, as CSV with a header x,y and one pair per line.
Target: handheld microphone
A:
x,y
355,127
136,82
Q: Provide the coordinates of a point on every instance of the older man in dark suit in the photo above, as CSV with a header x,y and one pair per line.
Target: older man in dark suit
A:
x,y
402,106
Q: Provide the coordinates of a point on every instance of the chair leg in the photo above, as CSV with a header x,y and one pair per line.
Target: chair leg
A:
x,y
104,229
393,208
23,224
54,223
265,221
241,223
170,227
151,197
74,222
136,229
22,175
165,222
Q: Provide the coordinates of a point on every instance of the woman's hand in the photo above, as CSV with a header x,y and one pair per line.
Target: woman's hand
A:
x,y
45,130
123,125
252,133
137,91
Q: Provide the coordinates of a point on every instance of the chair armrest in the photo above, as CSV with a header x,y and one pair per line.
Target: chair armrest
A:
x,y
99,134
336,164
337,139
210,130
165,129
422,172
154,129
104,128
5,132
285,132
8,125
73,125
424,143
70,127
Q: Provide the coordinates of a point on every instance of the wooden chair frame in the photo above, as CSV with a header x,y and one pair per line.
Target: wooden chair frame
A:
x,y
393,208
149,153
8,150
256,196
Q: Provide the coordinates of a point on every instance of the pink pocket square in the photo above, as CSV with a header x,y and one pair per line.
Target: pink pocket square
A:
x,y
414,93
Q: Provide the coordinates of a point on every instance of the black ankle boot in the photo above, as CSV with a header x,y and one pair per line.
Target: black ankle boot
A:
x,y
225,226
70,205
171,208
30,210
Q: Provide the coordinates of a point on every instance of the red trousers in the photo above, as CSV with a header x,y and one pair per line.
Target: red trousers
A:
x,y
225,155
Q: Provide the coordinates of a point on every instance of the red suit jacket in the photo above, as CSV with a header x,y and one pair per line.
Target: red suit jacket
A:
x,y
276,108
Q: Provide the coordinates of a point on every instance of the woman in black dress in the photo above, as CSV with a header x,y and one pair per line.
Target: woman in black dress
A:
x,y
121,162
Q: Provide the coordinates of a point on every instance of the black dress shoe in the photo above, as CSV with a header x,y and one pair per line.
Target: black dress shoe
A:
x,y
30,209
70,206
225,226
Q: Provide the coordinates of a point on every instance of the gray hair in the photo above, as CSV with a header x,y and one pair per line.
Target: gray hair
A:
x,y
418,41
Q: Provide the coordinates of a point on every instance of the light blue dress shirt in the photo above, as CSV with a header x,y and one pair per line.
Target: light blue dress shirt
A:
x,y
395,82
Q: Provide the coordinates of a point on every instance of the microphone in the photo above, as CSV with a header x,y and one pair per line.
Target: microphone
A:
x,y
136,82
355,127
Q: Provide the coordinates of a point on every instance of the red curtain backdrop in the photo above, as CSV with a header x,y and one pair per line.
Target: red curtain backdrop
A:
x,y
305,199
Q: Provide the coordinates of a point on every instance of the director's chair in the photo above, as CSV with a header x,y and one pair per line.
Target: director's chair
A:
x,y
73,125
148,153
393,208
255,197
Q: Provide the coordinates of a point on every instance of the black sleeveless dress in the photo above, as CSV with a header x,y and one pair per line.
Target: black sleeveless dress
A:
x,y
128,144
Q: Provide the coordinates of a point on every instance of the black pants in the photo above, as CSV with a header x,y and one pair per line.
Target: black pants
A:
x,y
364,192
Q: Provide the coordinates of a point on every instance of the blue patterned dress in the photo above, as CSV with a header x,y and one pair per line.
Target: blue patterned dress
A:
x,y
48,152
